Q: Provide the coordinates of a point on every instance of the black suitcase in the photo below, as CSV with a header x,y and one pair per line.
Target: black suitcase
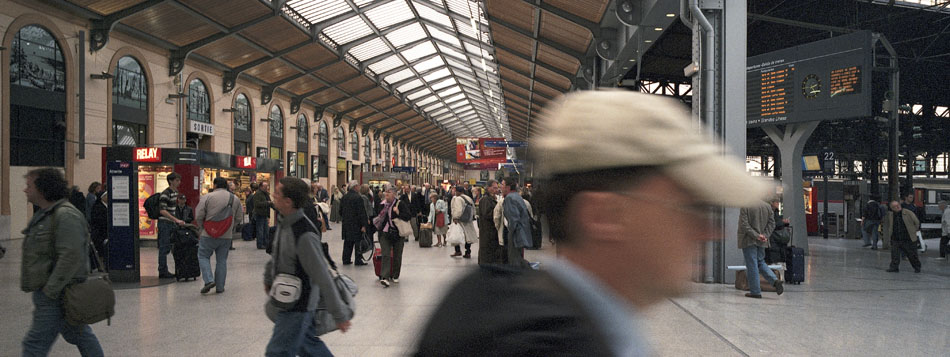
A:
x,y
248,231
535,234
794,265
186,261
425,238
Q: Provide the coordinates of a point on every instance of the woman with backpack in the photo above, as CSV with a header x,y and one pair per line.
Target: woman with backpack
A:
x,y
463,217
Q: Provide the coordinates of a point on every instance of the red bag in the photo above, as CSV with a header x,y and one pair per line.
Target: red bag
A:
x,y
440,219
216,228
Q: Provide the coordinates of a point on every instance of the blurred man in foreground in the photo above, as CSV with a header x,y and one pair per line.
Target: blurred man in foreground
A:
x,y
629,183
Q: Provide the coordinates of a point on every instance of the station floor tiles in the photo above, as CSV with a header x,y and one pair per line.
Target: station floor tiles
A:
x,y
848,306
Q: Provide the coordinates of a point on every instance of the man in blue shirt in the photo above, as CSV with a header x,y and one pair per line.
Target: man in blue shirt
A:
x,y
628,183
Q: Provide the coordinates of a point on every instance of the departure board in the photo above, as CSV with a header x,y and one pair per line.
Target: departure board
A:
x,y
823,80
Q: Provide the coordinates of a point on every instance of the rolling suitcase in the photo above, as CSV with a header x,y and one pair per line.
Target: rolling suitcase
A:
x,y
185,253
425,238
248,231
794,265
535,234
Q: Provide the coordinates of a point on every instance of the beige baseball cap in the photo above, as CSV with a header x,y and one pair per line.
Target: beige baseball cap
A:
x,y
595,130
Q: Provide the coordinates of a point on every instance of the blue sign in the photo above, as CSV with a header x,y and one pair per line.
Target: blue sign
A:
x,y
511,166
123,198
406,169
502,143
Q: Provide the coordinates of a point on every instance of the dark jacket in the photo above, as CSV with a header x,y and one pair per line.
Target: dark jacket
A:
x,y
262,203
500,311
911,225
60,232
354,216
404,214
418,204
99,223
489,251
185,213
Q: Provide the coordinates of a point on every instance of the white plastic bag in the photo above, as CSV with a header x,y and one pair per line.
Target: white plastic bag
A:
x,y
455,235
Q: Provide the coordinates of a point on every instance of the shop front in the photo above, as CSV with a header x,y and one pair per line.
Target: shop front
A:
x,y
378,179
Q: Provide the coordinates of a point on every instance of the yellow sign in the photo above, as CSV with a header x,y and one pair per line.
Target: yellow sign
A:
x,y
341,165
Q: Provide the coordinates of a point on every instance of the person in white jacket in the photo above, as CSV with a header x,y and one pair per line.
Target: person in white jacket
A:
x,y
210,206
468,228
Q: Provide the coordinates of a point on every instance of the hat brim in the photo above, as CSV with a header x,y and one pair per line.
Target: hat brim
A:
x,y
718,180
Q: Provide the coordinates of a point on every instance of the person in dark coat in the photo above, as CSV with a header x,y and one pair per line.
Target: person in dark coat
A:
x,y
99,225
489,251
353,213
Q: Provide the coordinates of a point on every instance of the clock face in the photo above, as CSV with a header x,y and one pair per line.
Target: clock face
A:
x,y
811,86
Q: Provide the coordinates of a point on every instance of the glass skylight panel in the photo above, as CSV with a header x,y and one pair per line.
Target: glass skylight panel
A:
x,y
466,29
450,51
406,35
449,92
442,35
398,76
442,83
409,85
369,49
419,94
462,7
387,64
348,30
459,104
439,112
389,14
437,75
453,98
428,64
428,13
317,11
428,100
419,51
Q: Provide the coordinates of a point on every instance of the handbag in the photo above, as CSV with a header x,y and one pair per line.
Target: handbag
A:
x,y
404,228
455,236
346,287
440,219
217,226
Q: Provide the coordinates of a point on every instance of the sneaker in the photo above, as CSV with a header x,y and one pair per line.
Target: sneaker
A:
x,y
779,287
754,296
866,246
384,283
395,281
207,287
892,270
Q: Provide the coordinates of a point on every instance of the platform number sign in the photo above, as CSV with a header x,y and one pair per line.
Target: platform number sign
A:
x,y
827,161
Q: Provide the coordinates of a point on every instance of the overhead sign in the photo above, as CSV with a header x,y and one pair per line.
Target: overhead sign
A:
x,y
471,150
148,154
822,80
502,143
245,162
407,169
200,128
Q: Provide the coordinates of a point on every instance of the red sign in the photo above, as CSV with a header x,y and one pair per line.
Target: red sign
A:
x,y
473,150
245,162
394,161
148,154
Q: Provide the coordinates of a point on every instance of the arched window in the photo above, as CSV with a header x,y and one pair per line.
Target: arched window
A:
x,y
276,118
387,160
242,125
367,150
199,104
402,156
379,153
129,104
303,145
323,146
355,145
340,142
37,99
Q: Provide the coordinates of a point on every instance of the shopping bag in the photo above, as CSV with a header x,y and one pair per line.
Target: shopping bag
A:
x,y
455,235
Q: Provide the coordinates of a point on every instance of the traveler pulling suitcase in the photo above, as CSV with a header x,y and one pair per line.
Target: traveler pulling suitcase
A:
x,y
185,253
794,265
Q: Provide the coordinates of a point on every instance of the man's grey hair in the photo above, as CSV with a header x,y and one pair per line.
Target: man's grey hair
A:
x,y
353,185
942,202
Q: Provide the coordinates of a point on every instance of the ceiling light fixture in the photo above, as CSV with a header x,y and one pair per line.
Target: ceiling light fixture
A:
x,y
648,41
671,15
657,29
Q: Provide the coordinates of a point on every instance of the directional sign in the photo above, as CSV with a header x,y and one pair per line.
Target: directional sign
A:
x,y
502,143
407,169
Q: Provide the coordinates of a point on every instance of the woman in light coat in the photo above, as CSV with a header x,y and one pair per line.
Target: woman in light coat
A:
x,y
468,228
435,207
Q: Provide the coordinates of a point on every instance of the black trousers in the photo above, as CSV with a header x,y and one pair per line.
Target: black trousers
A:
x,y
468,248
909,249
348,252
944,248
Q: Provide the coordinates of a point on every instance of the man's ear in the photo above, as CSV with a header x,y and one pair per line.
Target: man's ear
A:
x,y
597,216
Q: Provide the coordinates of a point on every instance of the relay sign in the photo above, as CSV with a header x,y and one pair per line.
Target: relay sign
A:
x,y
823,80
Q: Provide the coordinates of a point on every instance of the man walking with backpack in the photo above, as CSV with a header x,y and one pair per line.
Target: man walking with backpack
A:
x,y
218,213
871,218
167,223
54,255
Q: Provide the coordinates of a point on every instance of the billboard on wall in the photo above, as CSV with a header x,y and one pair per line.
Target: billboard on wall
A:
x,y
474,150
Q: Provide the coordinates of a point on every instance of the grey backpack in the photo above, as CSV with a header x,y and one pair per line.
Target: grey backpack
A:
x,y
468,212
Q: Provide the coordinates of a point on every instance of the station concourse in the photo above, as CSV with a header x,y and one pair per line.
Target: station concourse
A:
x,y
836,106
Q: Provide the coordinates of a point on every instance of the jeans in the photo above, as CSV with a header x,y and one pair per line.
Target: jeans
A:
x,y
944,249
870,238
220,248
754,265
294,335
908,248
48,322
390,243
262,226
165,231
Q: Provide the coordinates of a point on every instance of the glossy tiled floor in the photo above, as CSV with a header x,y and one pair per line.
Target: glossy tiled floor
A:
x,y
848,307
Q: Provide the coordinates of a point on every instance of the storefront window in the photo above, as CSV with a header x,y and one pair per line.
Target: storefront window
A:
x,y
340,142
242,125
37,126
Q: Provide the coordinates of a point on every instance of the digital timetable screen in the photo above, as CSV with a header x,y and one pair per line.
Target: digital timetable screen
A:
x,y
823,80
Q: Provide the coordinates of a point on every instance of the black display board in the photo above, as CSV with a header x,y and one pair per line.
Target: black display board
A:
x,y
822,80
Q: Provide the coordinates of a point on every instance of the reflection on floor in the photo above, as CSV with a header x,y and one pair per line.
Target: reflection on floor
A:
x,y
847,306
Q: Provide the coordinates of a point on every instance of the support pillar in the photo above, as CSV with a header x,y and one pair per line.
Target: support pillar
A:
x,y
790,141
